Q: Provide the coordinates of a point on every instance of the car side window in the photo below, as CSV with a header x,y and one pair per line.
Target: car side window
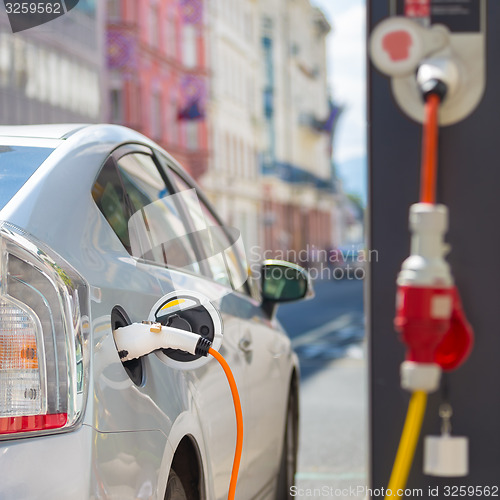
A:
x,y
222,246
157,230
109,195
143,213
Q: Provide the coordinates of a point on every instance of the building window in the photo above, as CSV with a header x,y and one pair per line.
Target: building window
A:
x,y
254,164
189,49
235,14
242,158
227,153
173,126
218,149
249,27
171,37
6,56
153,26
157,39
156,114
114,9
237,156
134,98
249,158
223,73
116,99
192,142
251,94
130,11
234,156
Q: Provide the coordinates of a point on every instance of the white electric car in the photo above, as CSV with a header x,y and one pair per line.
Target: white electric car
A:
x,y
97,224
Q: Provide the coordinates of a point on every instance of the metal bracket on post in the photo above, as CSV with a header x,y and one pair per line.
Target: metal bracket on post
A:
x,y
401,44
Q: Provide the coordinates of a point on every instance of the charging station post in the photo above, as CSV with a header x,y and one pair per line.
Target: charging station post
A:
x,y
468,184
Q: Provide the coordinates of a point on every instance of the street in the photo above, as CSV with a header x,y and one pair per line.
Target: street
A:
x,y
327,334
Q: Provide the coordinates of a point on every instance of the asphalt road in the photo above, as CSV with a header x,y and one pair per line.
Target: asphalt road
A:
x,y
327,333
324,328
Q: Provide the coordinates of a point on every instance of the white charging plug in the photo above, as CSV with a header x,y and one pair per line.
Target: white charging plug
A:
x,y
139,339
439,69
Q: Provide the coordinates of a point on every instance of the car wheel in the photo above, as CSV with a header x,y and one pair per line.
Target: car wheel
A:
x,y
288,466
175,490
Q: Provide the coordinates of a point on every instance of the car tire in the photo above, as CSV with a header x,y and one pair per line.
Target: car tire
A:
x,y
288,465
175,489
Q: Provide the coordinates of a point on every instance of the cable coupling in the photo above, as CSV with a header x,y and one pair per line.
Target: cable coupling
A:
x,y
438,76
139,339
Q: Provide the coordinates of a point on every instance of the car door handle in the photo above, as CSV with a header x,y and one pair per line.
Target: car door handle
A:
x,y
245,344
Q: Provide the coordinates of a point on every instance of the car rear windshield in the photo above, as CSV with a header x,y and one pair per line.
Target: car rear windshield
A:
x,y
17,165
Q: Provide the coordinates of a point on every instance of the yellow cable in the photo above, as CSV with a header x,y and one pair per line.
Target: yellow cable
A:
x,y
407,445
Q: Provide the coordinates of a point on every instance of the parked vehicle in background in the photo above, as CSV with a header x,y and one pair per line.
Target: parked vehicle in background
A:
x,y
348,262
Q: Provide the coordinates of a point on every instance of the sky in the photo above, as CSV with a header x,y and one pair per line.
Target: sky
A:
x,y
346,63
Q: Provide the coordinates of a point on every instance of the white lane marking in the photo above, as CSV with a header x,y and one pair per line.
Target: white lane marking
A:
x,y
321,331
326,476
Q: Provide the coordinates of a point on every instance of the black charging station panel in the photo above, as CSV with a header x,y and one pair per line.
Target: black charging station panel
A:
x,y
469,184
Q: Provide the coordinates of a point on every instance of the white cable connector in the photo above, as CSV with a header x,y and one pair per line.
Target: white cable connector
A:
x,y
140,339
426,265
420,376
439,70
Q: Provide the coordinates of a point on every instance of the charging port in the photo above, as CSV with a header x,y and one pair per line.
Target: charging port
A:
x,y
133,367
195,319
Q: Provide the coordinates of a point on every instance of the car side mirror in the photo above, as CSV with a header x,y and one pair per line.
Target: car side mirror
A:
x,y
284,282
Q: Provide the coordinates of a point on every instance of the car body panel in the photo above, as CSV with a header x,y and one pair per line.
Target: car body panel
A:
x,y
95,464
125,447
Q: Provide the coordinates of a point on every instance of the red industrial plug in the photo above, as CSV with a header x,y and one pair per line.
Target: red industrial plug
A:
x,y
433,325
458,341
423,318
429,314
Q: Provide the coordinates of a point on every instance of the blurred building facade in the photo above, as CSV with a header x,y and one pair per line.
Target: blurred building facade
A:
x,y
52,73
299,205
158,76
233,180
271,123
236,90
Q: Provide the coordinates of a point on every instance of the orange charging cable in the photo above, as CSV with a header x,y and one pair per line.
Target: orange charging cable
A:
x,y
418,402
429,150
239,421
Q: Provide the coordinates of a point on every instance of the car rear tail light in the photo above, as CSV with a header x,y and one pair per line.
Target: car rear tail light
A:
x,y
44,327
22,377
